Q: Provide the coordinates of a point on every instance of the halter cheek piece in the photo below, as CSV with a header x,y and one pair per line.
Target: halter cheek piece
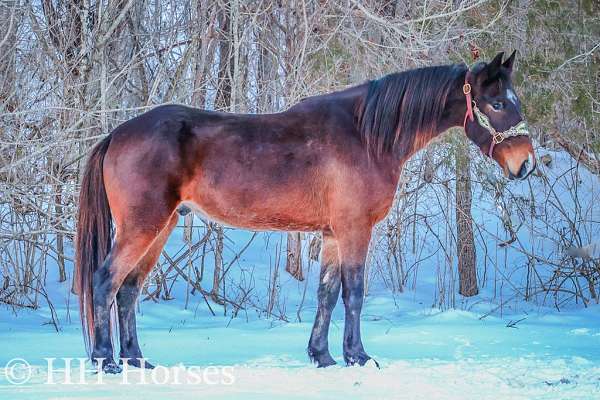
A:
x,y
497,137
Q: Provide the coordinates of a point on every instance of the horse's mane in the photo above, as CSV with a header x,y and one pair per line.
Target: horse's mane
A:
x,y
402,105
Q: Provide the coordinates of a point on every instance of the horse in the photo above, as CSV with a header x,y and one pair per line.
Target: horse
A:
x,y
330,163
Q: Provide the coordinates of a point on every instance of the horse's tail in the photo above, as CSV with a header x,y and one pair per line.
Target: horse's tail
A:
x,y
93,241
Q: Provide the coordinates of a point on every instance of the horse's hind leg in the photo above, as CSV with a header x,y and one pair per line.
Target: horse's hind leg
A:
x,y
131,244
128,294
329,291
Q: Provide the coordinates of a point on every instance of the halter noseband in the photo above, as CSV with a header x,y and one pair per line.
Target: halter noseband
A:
x,y
483,120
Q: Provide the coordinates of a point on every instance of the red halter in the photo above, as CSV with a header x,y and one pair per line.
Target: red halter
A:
x,y
467,92
469,113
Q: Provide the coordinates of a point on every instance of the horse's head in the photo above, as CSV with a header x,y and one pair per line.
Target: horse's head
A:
x,y
494,121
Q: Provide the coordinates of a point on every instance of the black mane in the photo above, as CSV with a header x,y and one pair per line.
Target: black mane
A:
x,y
401,105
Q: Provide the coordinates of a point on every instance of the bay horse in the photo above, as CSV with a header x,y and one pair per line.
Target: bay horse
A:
x,y
330,163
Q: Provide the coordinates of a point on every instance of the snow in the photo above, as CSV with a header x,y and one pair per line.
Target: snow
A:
x,y
486,348
423,352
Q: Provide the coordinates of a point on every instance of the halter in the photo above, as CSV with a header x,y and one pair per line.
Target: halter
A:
x,y
483,120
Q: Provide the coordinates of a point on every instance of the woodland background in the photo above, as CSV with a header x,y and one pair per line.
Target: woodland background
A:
x,y
71,71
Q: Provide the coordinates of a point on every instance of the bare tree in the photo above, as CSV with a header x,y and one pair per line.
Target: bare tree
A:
x,y
293,264
465,244
71,71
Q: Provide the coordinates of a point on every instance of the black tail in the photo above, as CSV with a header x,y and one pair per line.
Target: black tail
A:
x,y
94,235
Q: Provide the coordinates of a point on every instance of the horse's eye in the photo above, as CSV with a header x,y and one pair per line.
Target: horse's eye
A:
x,y
497,106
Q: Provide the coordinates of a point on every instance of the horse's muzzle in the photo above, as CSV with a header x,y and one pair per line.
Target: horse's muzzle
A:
x,y
526,169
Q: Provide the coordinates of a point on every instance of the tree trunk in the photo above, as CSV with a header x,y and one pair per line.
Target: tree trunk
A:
x,y
465,244
226,63
214,294
10,17
223,102
293,263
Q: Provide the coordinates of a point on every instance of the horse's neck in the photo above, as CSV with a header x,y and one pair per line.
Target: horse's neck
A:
x,y
392,164
453,116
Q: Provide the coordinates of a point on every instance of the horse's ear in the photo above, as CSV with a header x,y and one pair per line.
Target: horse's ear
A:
x,y
494,65
489,72
508,63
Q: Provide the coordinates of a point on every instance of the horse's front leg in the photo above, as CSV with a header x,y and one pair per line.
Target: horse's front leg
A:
x,y
354,245
329,291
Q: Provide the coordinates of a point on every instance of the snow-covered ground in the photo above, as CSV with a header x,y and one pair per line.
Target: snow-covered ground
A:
x,y
492,346
423,353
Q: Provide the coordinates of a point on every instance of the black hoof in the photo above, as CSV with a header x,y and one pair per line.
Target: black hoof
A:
x,y
109,366
323,359
137,362
112,368
360,358
325,362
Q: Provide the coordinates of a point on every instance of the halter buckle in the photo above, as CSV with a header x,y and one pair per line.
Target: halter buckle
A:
x,y
498,137
466,88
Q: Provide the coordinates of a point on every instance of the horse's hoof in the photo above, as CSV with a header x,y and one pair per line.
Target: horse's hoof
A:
x,y
111,368
135,362
372,363
322,359
147,365
360,358
325,362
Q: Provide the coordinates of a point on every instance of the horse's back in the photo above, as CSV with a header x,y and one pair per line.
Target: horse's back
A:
x,y
254,171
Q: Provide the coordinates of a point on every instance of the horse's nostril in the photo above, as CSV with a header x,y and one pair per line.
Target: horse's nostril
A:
x,y
524,170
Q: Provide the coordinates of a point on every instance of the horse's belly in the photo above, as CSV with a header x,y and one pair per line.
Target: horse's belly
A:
x,y
255,208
